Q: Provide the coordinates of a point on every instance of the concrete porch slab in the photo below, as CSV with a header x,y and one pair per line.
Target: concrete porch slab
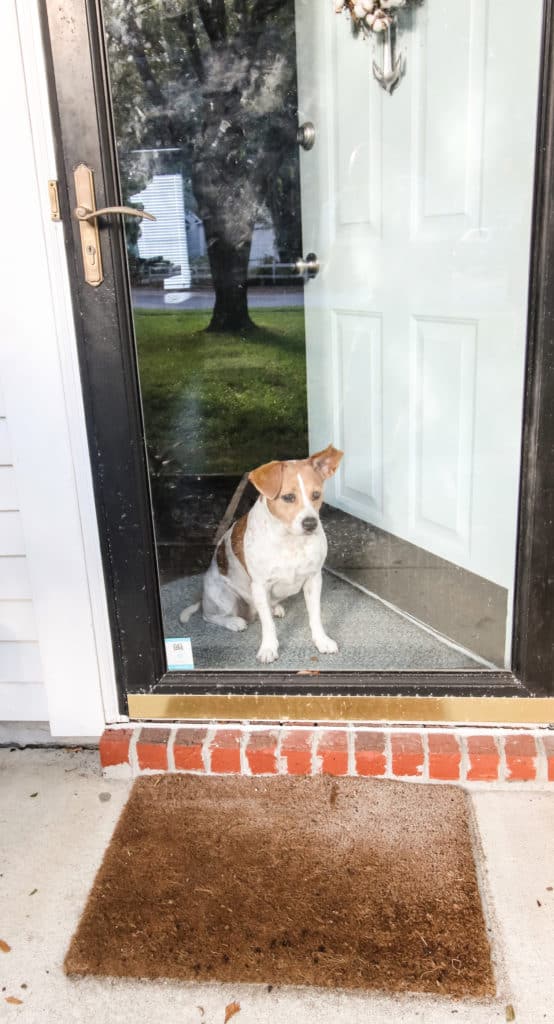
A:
x,y
52,843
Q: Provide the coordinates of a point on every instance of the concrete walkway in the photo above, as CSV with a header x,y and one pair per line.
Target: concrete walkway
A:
x,y
56,817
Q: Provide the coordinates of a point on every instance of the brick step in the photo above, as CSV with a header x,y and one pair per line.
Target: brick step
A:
x,y
417,754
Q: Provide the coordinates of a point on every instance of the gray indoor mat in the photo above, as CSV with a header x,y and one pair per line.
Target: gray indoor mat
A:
x,y
369,635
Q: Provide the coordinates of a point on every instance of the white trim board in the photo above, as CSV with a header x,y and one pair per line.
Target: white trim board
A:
x,y
44,403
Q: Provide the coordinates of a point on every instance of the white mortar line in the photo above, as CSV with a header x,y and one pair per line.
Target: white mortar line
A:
x,y
350,746
541,767
464,762
388,754
133,759
498,740
279,760
206,757
425,743
171,749
244,740
316,761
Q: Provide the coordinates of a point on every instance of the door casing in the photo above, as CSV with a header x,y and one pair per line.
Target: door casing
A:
x,y
80,101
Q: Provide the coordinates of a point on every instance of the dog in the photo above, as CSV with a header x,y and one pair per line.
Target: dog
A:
x,y
273,552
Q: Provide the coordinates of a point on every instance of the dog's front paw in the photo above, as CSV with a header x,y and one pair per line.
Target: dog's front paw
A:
x,y
278,611
236,623
325,645
267,653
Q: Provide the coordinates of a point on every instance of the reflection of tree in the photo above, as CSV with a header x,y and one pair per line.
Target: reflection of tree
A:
x,y
216,80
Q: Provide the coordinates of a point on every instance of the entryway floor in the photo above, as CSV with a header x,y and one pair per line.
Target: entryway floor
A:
x,y
370,635
56,817
375,586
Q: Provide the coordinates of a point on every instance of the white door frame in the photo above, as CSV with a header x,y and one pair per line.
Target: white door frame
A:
x,y
44,403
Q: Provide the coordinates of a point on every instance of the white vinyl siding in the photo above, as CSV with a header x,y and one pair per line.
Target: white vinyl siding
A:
x,y
167,235
22,692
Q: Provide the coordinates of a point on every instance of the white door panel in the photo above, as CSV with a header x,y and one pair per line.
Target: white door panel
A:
x,y
357,372
419,207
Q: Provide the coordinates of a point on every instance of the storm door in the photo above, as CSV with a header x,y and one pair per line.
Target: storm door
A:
x,y
307,334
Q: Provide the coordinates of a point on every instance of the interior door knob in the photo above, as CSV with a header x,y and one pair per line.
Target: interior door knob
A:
x,y
305,135
309,267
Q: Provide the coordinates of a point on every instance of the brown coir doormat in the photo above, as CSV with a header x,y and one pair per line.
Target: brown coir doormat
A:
x,y
347,883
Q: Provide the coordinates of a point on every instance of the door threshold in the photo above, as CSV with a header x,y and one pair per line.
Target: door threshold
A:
x,y
271,707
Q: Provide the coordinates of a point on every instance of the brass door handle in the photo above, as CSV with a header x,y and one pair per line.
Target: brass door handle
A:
x,y
82,213
87,216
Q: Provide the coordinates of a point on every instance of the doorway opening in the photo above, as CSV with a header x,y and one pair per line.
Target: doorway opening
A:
x,y
389,349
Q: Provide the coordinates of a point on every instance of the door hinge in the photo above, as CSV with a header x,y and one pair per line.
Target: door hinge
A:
x,y
54,200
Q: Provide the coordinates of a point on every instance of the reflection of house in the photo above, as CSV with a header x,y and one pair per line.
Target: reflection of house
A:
x,y
177,235
196,236
263,240
263,244
167,235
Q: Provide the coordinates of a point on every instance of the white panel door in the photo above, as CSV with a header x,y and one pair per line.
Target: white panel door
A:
x,y
418,206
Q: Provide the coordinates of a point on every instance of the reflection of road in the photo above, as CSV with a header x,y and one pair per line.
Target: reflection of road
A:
x,y
147,298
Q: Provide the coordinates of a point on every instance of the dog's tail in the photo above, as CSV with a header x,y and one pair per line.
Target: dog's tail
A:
x,y
187,613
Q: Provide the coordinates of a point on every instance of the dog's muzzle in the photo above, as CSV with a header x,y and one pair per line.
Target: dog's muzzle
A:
x,y
309,525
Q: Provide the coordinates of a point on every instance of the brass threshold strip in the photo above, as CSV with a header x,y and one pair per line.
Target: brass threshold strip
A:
x,y
300,708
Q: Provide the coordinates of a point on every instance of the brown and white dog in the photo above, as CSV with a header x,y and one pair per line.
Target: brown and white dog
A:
x,y
273,552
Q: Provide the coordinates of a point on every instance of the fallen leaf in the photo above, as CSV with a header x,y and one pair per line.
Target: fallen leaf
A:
x,y
539,904
230,1011
4,946
308,672
13,1000
32,892
34,794
510,1012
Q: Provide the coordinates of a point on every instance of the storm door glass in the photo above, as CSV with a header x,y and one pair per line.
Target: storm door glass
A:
x,y
337,274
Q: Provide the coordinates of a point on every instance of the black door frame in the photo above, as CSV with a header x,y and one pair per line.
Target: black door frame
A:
x,y
77,72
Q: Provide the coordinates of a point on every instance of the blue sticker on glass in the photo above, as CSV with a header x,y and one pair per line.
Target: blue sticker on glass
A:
x,y
178,651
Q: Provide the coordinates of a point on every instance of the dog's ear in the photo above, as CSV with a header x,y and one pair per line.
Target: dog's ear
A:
x,y
327,461
267,479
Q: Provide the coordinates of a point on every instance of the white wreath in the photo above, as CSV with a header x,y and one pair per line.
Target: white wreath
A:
x,y
371,15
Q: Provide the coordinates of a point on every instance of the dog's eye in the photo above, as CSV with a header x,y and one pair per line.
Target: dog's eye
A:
x,y
316,495
289,497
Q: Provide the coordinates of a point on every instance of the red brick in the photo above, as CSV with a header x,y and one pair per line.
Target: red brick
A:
x,y
296,749
444,756
188,749
407,753
261,752
521,758
332,748
225,751
484,759
548,744
369,753
152,749
114,747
